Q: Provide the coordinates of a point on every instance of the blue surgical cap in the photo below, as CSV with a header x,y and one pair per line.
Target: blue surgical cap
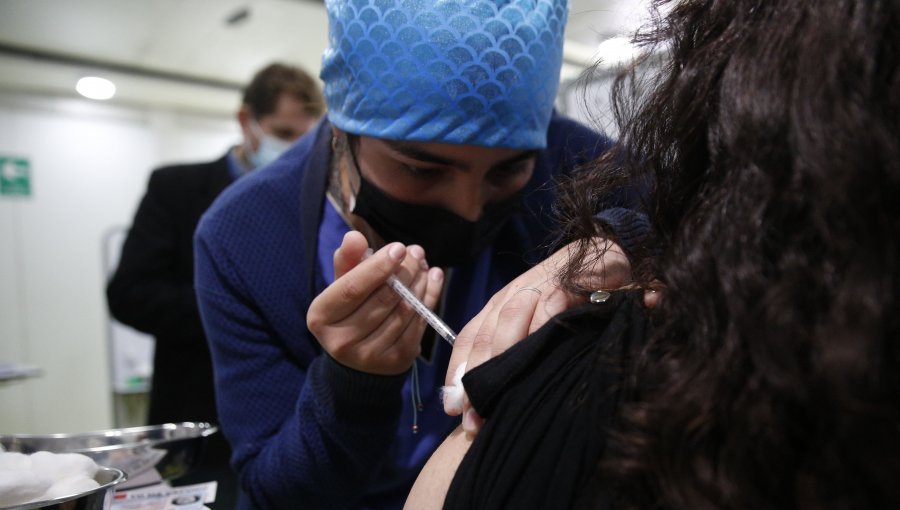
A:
x,y
479,72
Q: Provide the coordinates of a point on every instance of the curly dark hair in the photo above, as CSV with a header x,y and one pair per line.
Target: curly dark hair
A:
x,y
772,144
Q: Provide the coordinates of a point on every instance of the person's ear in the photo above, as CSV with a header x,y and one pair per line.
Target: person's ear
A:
x,y
245,118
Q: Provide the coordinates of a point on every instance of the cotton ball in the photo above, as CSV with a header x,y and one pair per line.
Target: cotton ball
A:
x,y
63,465
70,486
454,395
14,461
22,486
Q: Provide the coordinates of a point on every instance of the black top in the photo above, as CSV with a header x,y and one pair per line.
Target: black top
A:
x,y
548,403
152,291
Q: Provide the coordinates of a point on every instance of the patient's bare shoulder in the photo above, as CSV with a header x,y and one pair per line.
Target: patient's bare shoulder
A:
x,y
431,486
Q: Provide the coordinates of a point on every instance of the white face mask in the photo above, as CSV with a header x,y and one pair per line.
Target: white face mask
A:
x,y
269,149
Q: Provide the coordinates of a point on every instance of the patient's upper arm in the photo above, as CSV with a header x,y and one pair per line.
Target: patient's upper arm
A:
x,y
431,486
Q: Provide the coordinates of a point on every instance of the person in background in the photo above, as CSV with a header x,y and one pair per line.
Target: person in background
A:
x,y
439,152
767,375
152,290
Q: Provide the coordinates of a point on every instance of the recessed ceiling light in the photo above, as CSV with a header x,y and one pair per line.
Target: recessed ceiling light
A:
x,y
93,87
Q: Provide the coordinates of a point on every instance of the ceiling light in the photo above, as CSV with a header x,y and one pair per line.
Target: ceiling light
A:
x,y
93,87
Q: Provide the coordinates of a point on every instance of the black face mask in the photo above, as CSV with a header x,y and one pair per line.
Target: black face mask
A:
x,y
448,239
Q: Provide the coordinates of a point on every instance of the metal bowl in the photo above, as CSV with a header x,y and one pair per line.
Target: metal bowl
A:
x,y
153,453
94,499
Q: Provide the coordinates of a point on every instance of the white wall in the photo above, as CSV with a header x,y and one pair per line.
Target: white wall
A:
x,y
588,97
588,101
89,166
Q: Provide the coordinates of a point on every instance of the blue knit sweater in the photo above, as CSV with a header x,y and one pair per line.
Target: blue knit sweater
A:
x,y
307,432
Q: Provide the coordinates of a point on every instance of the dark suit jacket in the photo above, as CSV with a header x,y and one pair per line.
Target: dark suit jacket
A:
x,y
152,290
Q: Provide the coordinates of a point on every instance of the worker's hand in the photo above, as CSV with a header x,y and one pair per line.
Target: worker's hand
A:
x,y
522,307
359,320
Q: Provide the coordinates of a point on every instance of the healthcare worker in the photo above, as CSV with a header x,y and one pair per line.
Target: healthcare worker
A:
x,y
439,152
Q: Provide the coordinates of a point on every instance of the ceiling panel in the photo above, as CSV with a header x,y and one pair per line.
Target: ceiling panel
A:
x,y
167,52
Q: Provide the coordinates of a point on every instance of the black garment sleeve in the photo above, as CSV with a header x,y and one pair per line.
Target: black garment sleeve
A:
x,y
548,404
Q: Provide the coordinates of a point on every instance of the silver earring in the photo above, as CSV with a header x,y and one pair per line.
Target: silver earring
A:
x,y
599,296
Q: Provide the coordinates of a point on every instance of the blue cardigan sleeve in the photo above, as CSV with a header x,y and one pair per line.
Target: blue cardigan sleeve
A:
x,y
304,429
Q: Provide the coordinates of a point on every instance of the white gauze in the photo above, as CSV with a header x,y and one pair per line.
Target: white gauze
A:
x,y
44,475
69,486
63,465
454,395
18,482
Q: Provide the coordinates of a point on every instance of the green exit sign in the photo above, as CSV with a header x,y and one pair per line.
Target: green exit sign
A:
x,y
15,176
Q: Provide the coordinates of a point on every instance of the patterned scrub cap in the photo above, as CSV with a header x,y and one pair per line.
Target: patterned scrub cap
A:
x,y
479,72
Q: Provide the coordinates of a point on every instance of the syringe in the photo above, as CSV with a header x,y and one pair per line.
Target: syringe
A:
x,y
430,317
